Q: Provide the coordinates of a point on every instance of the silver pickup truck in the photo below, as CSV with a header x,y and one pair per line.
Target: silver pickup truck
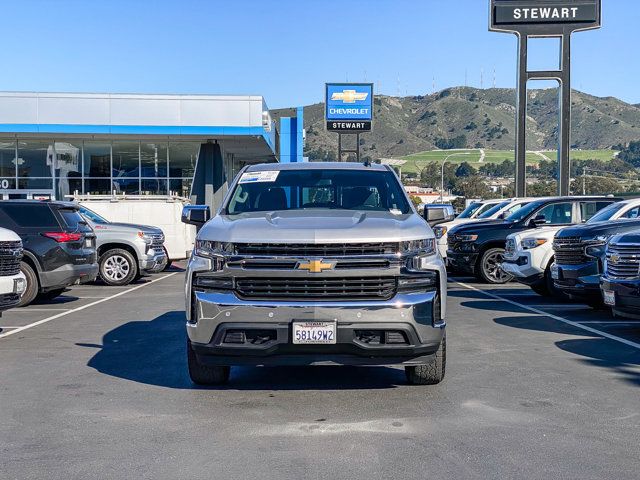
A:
x,y
316,264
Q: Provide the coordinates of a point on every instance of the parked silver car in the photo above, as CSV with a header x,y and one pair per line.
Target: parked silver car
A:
x,y
316,264
126,251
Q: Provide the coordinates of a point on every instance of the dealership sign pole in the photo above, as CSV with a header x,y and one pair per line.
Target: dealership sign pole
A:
x,y
544,19
349,110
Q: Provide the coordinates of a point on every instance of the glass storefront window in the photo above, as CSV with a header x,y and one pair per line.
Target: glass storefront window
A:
x,y
8,158
153,160
180,186
183,157
35,158
35,183
97,186
126,159
154,186
68,169
126,185
97,159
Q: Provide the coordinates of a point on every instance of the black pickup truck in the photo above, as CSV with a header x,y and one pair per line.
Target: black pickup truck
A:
x,y
620,283
478,248
579,258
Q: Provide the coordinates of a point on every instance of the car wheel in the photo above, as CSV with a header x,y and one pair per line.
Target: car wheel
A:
x,y
490,270
33,285
51,294
432,373
118,267
205,374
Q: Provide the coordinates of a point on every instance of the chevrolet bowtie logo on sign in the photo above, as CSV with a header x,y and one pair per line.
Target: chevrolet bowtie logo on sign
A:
x,y
315,266
349,107
349,96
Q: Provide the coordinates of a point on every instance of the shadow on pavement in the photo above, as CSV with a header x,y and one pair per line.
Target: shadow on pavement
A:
x,y
596,351
153,353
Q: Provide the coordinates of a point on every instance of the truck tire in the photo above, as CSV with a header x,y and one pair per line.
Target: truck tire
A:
x,y
205,374
118,267
432,373
489,270
33,285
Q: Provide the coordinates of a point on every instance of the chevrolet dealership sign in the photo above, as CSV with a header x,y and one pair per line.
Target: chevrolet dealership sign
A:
x,y
544,16
349,107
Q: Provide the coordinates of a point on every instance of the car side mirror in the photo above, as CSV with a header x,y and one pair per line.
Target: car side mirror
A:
x,y
538,221
437,215
196,215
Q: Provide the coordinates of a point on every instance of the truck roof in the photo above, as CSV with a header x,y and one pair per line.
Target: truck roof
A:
x,y
261,167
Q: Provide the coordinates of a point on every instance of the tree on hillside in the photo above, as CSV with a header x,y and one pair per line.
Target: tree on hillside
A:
x,y
631,154
472,187
465,170
542,189
450,143
597,186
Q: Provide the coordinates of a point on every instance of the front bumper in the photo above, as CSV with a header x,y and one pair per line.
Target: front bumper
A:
x,y
9,291
627,296
464,262
152,262
522,269
67,275
579,280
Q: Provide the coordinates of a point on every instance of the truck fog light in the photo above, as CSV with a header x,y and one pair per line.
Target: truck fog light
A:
x,y
19,286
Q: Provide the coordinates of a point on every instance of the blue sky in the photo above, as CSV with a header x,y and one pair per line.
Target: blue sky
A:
x,y
286,49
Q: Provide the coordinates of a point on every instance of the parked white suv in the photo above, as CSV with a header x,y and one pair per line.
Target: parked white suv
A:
x,y
12,281
529,254
485,210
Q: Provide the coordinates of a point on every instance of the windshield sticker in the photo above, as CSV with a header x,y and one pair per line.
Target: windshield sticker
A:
x,y
259,177
395,211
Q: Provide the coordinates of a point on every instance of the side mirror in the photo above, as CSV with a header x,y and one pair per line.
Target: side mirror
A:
x,y
538,221
196,215
437,215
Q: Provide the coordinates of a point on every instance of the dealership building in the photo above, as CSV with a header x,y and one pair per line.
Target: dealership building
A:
x,y
53,145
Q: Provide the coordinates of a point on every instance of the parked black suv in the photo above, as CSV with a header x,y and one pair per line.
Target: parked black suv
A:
x,y
620,283
478,248
59,247
579,258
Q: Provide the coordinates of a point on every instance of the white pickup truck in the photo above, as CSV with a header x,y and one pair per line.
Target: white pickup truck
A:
x,y
529,254
12,281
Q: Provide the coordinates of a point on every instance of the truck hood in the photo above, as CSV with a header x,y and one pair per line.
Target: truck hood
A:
x,y
601,228
315,226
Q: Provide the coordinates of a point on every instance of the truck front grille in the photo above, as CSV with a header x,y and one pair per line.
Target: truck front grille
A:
x,y
319,250
10,257
623,261
325,289
569,251
157,240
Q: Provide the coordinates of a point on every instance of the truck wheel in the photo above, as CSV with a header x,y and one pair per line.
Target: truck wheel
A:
x,y
489,269
205,374
118,267
431,373
33,285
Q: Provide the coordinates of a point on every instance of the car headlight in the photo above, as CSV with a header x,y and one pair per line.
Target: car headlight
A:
x,y
466,238
210,249
440,231
531,243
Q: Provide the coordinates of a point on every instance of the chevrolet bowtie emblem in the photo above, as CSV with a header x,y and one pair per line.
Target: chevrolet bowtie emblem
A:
x,y
315,266
349,96
614,259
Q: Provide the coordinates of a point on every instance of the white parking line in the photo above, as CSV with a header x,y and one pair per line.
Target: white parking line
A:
x,y
613,322
550,315
84,307
27,310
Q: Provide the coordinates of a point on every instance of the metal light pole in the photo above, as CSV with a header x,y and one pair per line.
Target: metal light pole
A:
x,y
442,175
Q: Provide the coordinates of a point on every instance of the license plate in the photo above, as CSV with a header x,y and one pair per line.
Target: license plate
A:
x,y
609,298
314,333
555,272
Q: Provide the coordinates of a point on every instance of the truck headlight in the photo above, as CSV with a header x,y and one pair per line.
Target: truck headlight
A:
x,y
209,249
596,248
466,238
531,243
419,247
145,238
440,231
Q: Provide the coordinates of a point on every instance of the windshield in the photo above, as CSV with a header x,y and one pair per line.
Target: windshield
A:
x,y
93,216
264,191
493,210
606,213
524,212
470,210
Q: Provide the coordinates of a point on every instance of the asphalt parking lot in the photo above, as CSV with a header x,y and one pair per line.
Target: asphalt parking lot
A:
x,y
94,385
